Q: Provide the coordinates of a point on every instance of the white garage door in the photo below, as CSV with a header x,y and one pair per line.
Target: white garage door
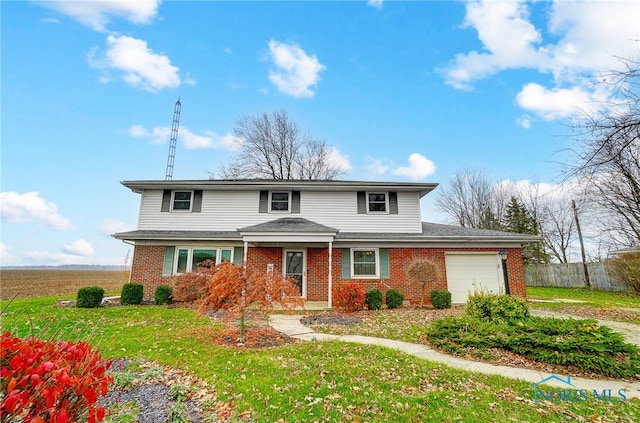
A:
x,y
467,273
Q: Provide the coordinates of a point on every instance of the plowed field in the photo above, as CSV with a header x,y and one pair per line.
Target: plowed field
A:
x,y
40,283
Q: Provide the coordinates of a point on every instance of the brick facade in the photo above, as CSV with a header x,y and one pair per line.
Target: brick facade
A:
x,y
146,268
148,260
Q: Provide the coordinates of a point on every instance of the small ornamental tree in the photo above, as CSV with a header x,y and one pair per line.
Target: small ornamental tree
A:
x,y
424,273
51,381
234,288
192,286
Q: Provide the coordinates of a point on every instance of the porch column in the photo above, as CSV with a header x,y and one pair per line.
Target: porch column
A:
x,y
330,276
244,254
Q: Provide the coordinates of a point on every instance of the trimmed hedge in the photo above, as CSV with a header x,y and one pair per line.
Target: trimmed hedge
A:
x,y
89,297
374,299
132,294
394,298
163,295
440,298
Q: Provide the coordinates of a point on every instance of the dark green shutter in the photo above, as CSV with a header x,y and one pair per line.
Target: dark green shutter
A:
x,y
362,202
167,263
295,202
393,202
384,263
263,207
166,200
238,255
346,263
197,201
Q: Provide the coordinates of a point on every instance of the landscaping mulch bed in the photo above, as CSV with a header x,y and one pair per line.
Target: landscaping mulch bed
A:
x,y
148,398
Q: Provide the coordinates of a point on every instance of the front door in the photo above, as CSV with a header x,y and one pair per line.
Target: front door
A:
x,y
294,267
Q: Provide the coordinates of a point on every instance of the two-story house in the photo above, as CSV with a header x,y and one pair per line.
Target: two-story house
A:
x,y
321,233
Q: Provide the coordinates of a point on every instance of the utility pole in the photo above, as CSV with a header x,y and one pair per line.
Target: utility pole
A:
x,y
584,259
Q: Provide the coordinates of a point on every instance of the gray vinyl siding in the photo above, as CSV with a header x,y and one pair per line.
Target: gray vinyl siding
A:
x,y
230,210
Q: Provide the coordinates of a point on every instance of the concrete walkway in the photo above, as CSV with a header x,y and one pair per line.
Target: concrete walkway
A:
x,y
290,325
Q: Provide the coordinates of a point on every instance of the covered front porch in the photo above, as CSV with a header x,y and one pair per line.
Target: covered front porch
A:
x,y
296,243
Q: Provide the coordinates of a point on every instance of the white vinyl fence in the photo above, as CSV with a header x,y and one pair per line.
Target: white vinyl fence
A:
x,y
569,276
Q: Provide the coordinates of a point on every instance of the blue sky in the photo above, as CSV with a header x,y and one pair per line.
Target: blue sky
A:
x,y
403,91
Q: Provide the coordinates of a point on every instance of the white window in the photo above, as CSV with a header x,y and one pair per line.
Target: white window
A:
x,y
190,259
182,200
377,202
280,202
365,263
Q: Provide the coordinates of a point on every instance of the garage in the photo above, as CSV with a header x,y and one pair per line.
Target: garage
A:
x,y
467,273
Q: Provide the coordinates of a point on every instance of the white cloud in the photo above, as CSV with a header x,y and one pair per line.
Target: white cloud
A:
x,y
524,121
296,73
375,3
79,247
31,208
376,167
419,167
588,36
111,226
508,39
47,258
553,103
6,259
209,139
140,66
96,14
340,161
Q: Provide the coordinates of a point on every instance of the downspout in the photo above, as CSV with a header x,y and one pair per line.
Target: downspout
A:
x,y
330,276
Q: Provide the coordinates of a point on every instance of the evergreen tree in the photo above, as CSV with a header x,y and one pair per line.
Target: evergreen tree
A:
x,y
519,219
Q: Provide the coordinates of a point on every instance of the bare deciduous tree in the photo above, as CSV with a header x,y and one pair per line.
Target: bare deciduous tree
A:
x,y
274,147
608,156
472,200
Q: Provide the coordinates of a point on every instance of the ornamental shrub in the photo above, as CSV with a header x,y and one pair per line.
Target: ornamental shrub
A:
x,y
440,298
394,298
497,307
373,299
163,295
131,294
51,381
625,270
193,286
350,297
89,297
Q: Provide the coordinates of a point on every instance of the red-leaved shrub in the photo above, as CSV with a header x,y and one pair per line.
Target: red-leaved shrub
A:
x,y
51,381
192,287
350,297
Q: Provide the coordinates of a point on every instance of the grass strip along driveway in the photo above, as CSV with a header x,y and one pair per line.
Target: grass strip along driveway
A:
x,y
314,381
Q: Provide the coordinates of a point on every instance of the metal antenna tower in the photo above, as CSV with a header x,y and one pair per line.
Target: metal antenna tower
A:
x,y
173,140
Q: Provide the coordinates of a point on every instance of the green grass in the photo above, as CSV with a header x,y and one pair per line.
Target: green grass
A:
x,y
592,298
314,381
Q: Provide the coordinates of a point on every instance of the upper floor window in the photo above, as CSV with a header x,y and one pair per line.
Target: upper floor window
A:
x,y
377,201
279,201
182,200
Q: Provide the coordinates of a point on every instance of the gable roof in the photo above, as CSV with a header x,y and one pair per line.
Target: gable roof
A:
x,y
280,184
290,224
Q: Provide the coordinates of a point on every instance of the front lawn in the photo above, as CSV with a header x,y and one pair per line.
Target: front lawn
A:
x,y
587,303
585,296
313,381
